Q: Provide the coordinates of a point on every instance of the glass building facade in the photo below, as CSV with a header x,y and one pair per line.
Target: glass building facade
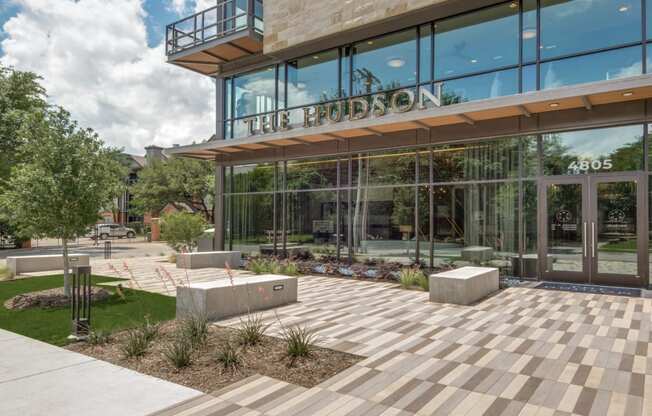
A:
x,y
472,202
563,202
505,49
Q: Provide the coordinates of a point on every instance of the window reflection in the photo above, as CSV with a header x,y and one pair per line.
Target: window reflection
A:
x,y
477,41
312,174
255,92
612,149
496,159
383,224
476,224
529,33
425,51
384,63
573,26
609,65
384,168
253,178
312,223
252,224
495,84
313,79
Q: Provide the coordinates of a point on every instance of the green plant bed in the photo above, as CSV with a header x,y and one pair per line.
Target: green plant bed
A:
x,y
628,246
53,325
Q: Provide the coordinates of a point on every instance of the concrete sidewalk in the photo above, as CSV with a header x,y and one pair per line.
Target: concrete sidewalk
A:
x,y
37,378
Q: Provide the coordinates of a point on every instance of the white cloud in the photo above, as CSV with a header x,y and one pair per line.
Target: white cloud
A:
x,y
94,59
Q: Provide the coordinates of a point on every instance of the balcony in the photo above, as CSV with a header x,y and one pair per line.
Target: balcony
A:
x,y
231,30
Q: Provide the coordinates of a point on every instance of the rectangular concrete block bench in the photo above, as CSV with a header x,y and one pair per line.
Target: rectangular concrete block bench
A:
x,y
44,263
222,299
463,286
477,254
207,259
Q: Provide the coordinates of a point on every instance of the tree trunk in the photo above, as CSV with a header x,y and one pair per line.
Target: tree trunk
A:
x,y
66,270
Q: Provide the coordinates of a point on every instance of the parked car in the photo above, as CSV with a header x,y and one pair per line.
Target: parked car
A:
x,y
106,231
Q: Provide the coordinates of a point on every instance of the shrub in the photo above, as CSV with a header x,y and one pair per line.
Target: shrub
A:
x,y
228,355
98,338
172,258
272,266
149,330
194,330
299,341
258,266
423,282
251,330
136,344
178,352
410,277
181,230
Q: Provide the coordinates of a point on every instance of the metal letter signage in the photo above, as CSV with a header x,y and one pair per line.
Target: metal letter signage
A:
x,y
357,108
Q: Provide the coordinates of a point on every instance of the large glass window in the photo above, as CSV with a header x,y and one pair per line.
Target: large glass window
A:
x,y
425,53
476,224
313,79
573,26
529,32
618,63
252,225
613,149
487,160
478,41
478,87
312,223
383,224
312,174
254,178
384,168
255,92
385,63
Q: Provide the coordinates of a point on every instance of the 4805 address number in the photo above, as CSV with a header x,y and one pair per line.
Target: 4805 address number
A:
x,y
585,165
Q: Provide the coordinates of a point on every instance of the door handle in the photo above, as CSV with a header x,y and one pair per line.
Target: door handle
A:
x,y
593,239
586,239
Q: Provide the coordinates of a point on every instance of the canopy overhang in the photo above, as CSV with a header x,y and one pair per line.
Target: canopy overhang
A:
x,y
527,105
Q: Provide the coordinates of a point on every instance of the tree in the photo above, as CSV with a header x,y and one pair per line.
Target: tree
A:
x,y
176,180
181,230
20,95
66,175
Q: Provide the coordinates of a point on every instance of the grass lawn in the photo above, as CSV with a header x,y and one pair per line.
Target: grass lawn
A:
x,y
53,325
628,246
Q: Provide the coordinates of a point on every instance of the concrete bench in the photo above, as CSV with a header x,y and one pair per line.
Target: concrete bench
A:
x,y
221,299
477,254
463,286
44,263
207,259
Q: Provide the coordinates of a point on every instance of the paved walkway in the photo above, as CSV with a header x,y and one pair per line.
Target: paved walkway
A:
x,y
156,274
40,379
522,352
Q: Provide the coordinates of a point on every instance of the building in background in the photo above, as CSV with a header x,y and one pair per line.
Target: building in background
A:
x,y
512,134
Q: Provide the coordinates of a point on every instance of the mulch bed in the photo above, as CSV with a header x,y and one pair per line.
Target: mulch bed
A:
x,y
208,375
50,298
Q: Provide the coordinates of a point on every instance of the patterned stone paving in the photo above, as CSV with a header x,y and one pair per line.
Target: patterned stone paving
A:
x,y
523,351
156,274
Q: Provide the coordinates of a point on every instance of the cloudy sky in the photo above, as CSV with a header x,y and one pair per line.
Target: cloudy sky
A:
x,y
104,61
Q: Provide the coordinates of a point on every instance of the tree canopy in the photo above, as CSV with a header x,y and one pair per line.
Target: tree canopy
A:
x,y
66,175
175,180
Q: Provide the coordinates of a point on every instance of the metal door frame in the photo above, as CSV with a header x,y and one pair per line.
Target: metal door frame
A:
x,y
589,197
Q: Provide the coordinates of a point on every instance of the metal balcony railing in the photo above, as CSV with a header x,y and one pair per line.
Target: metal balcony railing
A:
x,y
229,16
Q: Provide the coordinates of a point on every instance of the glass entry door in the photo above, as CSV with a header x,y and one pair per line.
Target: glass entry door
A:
x,y
593,229
565,214
618,239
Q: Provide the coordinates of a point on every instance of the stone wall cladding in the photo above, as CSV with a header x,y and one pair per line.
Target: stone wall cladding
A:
x,y
293,22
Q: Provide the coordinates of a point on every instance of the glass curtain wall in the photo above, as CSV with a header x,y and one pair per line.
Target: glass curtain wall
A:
x,y
495,51
470,203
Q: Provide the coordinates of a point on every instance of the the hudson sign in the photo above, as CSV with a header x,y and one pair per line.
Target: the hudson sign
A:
x,y
358,108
